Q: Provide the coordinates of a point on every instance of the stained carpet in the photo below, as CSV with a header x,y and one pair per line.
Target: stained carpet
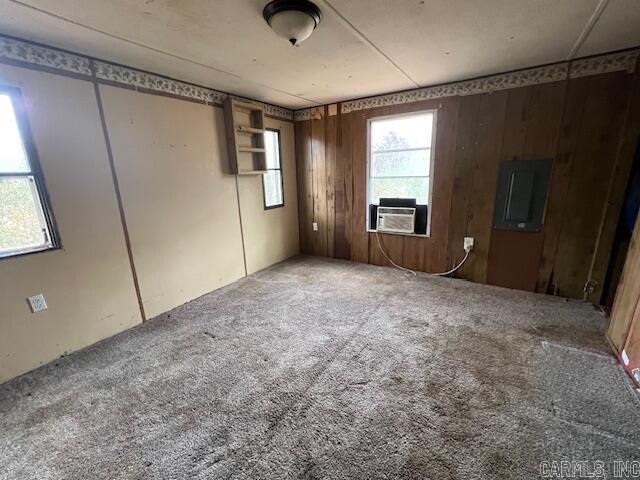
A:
x,y
323,369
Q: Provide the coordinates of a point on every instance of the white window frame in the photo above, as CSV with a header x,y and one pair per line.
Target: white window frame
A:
x,y
434,112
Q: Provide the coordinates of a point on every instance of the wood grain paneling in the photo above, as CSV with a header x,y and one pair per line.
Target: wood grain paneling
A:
x,y
304,169
359,236
531,128
624,326
330,160
319,237
627,295
598,129
632,343
477,162
582,124
515,258
577,91
345,166
628,142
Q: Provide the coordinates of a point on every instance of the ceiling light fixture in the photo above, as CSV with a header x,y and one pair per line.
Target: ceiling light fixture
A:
x,y
294,20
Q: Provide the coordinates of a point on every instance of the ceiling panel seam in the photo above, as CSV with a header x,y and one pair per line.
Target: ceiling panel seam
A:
x,y
588,28
366,40
157,50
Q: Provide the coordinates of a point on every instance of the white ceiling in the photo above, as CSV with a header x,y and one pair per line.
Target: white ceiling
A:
x,y
361,48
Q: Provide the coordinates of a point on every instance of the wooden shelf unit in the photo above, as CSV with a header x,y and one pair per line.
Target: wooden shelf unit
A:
x,y
251,149
244,123
249,130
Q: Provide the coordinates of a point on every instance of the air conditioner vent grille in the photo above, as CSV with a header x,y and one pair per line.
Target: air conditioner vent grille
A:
x,y
396,219
396,210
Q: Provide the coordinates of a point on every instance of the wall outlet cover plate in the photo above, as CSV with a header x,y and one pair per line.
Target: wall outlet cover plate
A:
x,y
468,243
625,358
37,303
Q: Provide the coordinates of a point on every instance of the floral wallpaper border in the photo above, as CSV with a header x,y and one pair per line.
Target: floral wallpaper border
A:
x,y
53,59
136,78
16,50
614,62
623,61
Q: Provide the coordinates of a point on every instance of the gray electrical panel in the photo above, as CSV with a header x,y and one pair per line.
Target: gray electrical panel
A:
x,y
522,194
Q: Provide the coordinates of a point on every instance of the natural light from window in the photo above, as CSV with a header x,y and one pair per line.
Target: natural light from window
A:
x,y
272,180
23,226
400,157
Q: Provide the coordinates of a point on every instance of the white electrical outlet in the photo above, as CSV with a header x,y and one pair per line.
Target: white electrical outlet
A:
x,y
468,244
315,227
37,303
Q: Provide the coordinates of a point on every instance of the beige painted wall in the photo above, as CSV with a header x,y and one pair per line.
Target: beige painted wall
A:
x,y
88,284
180,205
271,235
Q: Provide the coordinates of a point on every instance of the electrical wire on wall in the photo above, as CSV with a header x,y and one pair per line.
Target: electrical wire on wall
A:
x,y
454,269
411,272
406,270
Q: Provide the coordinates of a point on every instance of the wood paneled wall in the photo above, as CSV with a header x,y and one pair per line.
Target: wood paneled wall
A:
x,y
625,312
585,125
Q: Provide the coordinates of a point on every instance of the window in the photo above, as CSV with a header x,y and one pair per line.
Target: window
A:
x,y
272,180
400,157
25,222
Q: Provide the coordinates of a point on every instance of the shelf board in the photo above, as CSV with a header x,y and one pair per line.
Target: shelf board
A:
x,y
245,105
251,172
251,149
247,129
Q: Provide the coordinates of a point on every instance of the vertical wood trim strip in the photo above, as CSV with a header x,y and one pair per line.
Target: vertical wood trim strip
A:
x,y
116,186
244,253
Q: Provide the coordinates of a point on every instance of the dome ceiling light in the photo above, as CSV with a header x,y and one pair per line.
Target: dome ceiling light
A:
x,y
294,20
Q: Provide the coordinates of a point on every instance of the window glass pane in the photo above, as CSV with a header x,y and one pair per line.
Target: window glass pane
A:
x,y
272,182
416,187
21,227
401,132
271,147
411,163
13,158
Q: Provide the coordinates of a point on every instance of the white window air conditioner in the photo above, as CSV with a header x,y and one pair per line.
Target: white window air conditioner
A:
x,y
396,219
